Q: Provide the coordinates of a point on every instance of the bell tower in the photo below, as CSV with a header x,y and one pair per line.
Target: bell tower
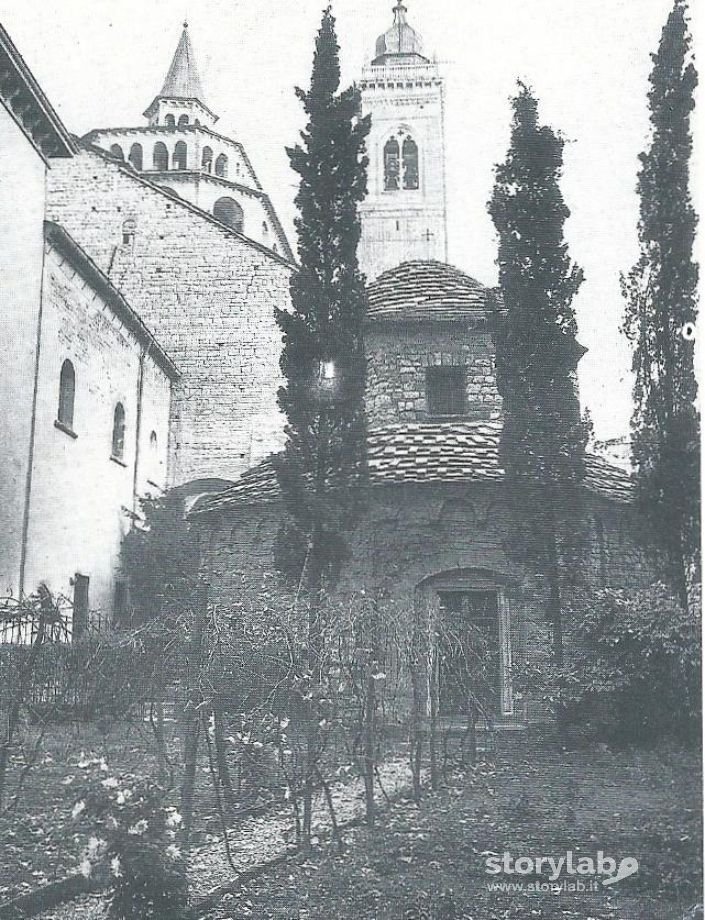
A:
x,y
404,215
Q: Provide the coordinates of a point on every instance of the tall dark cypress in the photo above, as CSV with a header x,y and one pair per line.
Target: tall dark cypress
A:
x,y
542,442
323,357
661,312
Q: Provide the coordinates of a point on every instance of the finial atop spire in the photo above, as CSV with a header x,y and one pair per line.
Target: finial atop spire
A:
x,y
185,23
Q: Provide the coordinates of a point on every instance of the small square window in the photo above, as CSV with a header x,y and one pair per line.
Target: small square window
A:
x,y
445,390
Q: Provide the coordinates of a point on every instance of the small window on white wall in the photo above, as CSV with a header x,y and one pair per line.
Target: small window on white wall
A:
x,y
118,446
67,394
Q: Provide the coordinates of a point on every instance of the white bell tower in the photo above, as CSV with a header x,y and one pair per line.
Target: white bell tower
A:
x,y
404,214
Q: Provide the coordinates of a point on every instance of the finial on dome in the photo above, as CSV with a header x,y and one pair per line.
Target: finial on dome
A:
x,y
185,23
400,40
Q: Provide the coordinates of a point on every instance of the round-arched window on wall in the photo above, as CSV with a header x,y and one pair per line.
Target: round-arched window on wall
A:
x,y
135,156
67,394
118,441
170,121
179,158
160,157
183,120
229,212
207,159
117,151
221,166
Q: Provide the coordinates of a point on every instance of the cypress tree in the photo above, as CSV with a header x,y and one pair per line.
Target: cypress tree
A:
x,y
542,442
661,311
323,358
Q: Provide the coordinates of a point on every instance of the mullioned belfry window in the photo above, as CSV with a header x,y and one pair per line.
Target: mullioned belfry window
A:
x,y
67,394
401,165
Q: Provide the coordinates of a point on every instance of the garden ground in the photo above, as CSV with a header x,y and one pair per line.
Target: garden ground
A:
x,y
424,861
429,862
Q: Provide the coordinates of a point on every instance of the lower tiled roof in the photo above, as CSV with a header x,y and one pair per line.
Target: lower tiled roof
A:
x,y
424,453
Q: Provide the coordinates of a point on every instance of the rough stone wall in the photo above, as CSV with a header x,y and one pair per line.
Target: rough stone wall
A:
x,y
208,296
416,540
82,498
396,370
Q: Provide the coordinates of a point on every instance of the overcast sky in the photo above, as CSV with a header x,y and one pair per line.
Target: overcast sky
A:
x,y
102,62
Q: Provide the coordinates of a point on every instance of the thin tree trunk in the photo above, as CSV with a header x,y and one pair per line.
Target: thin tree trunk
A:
x,y
191,715
221,756
370,738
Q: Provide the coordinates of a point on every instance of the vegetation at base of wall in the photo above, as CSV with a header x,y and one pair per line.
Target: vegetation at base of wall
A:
x,y
633,673
661,294
543,439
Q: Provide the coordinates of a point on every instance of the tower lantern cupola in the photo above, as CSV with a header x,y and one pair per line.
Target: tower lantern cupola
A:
x,y
400,40
180,100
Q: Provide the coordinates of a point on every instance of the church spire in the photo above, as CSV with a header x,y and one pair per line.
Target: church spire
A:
x,y
182,80
181,95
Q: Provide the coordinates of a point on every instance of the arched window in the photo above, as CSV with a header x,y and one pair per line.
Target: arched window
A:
x,y
117,151
265,229
207,159
410,163
221,166
229,212
136,156
170,121
274,248
153,441
118,448
179,159
67,394
197,122
391,165
183,120
129,227
160,157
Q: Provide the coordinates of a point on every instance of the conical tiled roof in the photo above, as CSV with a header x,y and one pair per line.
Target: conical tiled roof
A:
x,y
182,81
427,291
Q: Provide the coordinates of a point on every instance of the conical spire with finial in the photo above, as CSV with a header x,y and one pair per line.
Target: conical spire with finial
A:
x,y
182,81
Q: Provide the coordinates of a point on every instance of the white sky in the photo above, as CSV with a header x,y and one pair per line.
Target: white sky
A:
x,y
102,61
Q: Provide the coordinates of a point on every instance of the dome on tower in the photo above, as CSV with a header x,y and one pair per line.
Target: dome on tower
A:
x,y
401,39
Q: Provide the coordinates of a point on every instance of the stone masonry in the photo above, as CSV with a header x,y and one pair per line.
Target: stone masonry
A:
x,y
206,293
